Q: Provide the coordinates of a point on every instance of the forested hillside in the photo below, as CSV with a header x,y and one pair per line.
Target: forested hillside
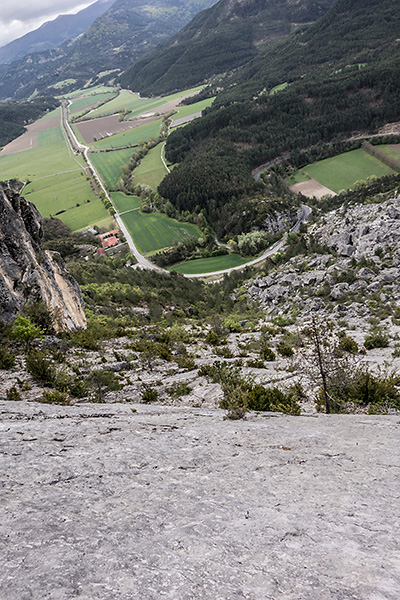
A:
x,y
218,40
330,94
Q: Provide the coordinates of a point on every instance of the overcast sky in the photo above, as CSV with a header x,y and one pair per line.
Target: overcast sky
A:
x,y
17,18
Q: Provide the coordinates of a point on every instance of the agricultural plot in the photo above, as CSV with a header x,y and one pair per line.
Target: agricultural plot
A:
x,y
30,139
68,197
190,111
108,165
209,265
100,89
124,203
343,171
88,101
97,129
154,231
392,150
57,182
132,102
130,137
151,170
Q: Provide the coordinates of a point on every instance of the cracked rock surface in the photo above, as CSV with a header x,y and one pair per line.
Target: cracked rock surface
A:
x,y
99,502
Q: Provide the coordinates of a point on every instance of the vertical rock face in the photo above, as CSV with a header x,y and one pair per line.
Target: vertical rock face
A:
x,y
30,274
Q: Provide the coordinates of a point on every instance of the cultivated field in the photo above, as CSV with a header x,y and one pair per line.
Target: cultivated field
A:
x,y
209,265
109,164
86,102
151,170
154,231
343,171
95,129
57,181
29,139
130,137
311,189
129,101
124,203
187,112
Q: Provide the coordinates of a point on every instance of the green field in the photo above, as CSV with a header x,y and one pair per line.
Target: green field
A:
x,y
151,170
82,103
155,231
131,137
124,202
38,162
390,151
83,92
278,88
57,180
190,109
343,171
64,193
108,165
136,105
209,265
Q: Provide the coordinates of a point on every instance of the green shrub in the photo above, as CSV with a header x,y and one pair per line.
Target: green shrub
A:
x,y
179,389
39,366
13,394
267,354
7,360
149,395
213,338
272,399
54,397
347,344
284,349
256,364
377,338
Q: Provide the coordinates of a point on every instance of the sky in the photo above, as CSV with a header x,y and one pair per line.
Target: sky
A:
x,y
18,18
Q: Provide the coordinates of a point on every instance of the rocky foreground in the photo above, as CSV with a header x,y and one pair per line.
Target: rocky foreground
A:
x,y
99,501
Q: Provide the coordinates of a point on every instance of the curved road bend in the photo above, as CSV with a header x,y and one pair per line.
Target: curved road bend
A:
x,y
144,262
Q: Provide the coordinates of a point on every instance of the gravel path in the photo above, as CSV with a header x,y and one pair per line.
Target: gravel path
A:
x,y
99,502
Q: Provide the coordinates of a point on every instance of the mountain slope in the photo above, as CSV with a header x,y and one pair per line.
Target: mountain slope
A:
x,y
217,40
247,126
53,33
116,39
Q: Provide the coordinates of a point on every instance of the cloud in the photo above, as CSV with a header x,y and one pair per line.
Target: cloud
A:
x,y
18,18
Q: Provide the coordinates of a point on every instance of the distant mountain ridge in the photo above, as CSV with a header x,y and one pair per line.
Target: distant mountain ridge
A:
x,y
127,30
54,33
217,40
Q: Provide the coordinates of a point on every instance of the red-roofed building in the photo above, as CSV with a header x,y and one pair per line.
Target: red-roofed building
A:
x,y
109,239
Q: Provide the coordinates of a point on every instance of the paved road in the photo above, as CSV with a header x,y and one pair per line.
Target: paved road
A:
x,y
142,260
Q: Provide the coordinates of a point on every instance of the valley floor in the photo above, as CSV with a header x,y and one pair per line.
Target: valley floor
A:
x,y
102,502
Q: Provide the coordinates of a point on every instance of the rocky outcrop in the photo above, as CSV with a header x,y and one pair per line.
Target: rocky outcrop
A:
x,y
361,263
29,274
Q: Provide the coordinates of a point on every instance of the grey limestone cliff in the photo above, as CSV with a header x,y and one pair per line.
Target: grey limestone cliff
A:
x,y
28,273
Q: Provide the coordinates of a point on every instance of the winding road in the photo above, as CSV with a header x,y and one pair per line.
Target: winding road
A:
x,y
76,147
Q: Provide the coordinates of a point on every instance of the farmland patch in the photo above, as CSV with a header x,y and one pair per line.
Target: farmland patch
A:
x,y
109,164
209,265
151,170
311,188
155,231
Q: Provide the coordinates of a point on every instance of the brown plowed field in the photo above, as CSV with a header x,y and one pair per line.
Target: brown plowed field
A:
x,y
311,188
105,126
29,139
